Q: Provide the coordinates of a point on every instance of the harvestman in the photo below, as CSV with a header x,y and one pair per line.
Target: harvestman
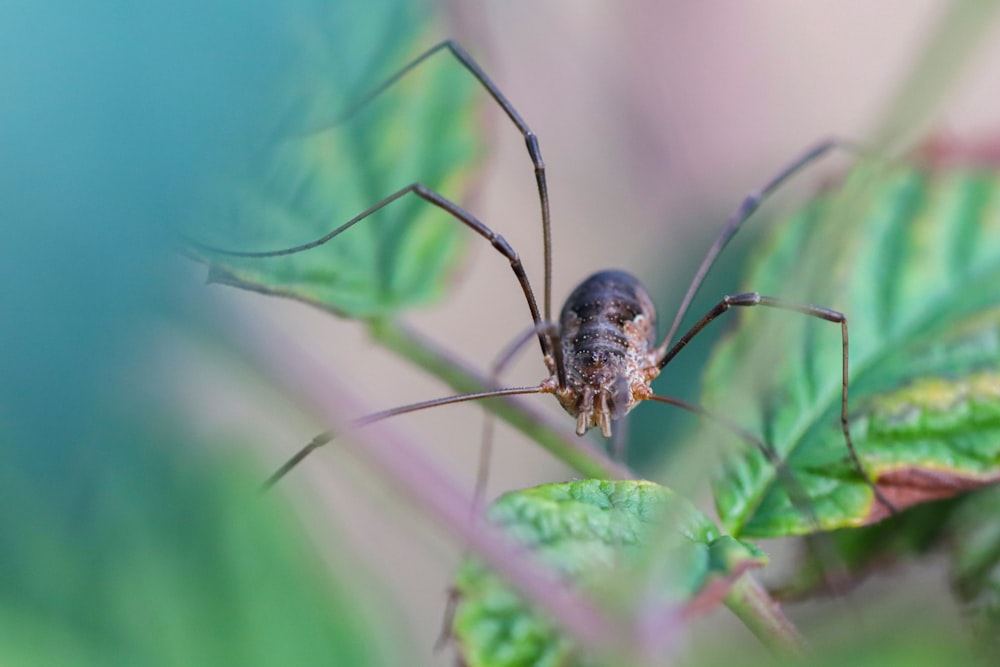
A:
x,y
602,355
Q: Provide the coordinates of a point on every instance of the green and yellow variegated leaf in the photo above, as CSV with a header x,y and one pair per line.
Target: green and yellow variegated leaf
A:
x,y
911,255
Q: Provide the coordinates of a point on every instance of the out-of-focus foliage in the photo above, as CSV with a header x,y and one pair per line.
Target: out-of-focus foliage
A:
x,y
911,254
974,540
126,539
157,555
590,531
332,157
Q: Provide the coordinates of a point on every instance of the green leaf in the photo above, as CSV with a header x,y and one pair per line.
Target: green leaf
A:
x,y
144,553
965,528
868,549
126,540
588,530
911,255
317,169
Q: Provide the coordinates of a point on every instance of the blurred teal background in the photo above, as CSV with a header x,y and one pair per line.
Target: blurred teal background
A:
x,y
126,538
112,118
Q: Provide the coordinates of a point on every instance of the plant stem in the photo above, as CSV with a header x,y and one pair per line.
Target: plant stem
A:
x,y
577,453
765,619
427,486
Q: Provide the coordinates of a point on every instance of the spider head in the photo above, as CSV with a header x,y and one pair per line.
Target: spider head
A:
x,y
596,402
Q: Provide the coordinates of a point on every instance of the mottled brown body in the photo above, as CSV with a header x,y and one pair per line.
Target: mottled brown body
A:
x,y
607,331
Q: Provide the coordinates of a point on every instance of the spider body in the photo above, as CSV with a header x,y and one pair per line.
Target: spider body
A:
x,y
602,355
607,331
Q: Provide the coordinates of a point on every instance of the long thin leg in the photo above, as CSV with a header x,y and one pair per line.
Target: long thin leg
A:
x,y
530,140
750,204
327,436
499,365
444,204
755,299
797,495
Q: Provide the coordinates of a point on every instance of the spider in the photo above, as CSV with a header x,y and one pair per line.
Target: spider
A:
x,y
602,354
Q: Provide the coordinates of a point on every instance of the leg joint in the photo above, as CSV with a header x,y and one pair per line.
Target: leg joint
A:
x,y
745,299
500,243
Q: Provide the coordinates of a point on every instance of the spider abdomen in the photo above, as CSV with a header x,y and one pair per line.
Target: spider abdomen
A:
x,y
607,332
